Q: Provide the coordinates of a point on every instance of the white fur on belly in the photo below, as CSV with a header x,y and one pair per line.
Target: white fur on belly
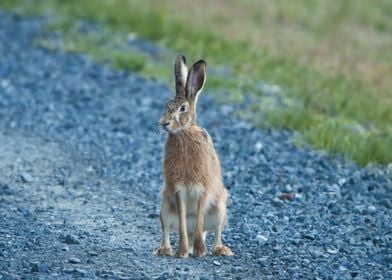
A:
x,y
190,195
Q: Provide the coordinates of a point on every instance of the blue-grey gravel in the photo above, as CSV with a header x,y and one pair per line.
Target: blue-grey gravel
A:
x,y
86,134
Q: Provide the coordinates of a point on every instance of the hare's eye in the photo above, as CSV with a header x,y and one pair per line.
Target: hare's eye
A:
x,y
182,108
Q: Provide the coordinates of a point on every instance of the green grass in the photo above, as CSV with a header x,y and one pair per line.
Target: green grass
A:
x,y
331,59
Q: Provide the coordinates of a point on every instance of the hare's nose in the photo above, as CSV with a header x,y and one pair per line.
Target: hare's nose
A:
x,y
165,124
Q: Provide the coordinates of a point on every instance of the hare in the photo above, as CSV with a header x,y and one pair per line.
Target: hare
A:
x,y
193,198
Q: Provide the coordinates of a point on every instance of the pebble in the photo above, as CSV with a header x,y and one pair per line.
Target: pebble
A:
x,y
217,263
332,250
74,260
342,181
153,216
277,202
68,270
309,235
286,196
69,239
237,269
261,239
262,260
371,209
258,146
34,267
342,268
27,178
5,189
81,271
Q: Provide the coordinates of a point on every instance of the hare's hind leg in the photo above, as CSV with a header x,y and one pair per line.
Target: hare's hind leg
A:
x,y
219,249
165,249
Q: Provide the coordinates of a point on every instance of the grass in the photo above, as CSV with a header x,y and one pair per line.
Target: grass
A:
x,y
331,59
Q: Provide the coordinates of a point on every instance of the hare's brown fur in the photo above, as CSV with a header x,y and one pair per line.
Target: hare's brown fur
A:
x,y
194,198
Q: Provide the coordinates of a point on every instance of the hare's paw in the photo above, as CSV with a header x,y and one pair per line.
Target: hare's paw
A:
x,y
182,253
199,249
164,251
222,251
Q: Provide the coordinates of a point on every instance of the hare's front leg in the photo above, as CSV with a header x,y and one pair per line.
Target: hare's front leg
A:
x,y
165,249
199,248
182,251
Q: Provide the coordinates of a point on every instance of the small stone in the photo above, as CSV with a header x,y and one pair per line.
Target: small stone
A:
x,y
237,269
68,270
261,239
354,274
5,189
81,271
90,169
342,181
262,260
309,235
34,267
69,239
236,237
153,216
65,249
93,253
37,267
332,250
258,146
358,209
342,268
286,196
74,260
216,263
277,202
371,209
27,178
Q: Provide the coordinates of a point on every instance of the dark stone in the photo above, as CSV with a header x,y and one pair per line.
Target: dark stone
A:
x,y
5,189
69,239
74,260
153,216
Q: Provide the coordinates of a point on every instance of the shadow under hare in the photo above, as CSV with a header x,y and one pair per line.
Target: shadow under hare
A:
x,y
193,198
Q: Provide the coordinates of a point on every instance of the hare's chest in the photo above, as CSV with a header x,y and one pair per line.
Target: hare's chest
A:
x,y
188,168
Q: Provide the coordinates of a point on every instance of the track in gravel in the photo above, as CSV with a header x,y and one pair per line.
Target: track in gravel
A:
x,y
80,176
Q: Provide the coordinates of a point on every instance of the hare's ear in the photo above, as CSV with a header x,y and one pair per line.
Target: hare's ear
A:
x,y
180,74
195,81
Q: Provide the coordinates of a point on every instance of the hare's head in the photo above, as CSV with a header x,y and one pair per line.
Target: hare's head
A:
x,y
180,112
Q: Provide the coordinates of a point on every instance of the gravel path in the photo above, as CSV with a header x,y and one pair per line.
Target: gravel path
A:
x,y
80,176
